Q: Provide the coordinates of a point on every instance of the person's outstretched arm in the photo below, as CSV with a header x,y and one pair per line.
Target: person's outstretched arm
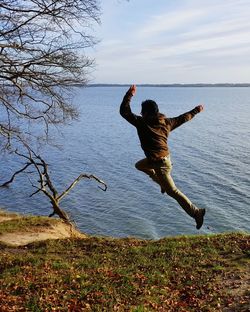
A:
x,y
178,121
125,109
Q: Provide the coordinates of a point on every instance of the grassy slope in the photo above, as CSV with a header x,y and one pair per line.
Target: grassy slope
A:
x,y
196,273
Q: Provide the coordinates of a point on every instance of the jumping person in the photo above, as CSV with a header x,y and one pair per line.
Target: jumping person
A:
x,y
153,129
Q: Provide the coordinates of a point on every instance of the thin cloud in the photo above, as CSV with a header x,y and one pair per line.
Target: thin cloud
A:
x,y
191,36
168,22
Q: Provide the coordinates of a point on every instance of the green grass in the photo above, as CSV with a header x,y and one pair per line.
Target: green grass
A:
x,y
104,274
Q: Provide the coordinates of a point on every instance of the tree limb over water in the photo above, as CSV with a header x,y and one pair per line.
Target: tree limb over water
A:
x,y
45,184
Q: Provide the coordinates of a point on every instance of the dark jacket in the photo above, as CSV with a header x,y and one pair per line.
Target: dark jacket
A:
x,y
153,132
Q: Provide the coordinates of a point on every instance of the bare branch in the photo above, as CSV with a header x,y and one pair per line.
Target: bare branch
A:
x,y
14,175
36,192
82,176
42,57
47,178
45,184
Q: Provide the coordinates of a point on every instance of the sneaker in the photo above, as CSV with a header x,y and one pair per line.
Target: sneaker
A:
x,y
199,218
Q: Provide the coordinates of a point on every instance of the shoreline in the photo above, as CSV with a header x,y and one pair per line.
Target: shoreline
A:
x,y
19,230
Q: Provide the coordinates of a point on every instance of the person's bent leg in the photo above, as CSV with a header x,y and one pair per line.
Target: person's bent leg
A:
x,y
145,166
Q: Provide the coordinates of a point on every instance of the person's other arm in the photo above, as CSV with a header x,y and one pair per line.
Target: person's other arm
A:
x,y
178,121
125,109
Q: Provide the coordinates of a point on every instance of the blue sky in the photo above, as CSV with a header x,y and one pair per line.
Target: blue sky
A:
x,y
173,41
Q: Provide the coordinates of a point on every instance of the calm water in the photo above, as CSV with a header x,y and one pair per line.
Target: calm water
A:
x,y
210,155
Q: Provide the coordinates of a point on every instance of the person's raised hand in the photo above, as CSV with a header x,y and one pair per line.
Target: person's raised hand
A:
x,y
200,108
132,90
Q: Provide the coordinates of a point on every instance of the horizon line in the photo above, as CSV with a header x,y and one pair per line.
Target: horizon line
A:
x,y
222,84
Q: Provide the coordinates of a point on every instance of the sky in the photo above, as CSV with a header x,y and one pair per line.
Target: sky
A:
x,y
173,41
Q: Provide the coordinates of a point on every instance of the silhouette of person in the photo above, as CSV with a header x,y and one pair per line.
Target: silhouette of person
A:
x,y
153,129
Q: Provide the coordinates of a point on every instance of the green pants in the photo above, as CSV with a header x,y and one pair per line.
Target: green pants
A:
x,y
160,172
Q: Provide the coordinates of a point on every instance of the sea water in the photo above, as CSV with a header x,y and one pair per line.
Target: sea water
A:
x,y
210,156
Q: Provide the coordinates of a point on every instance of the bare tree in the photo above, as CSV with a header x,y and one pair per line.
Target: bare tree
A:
x,y
42,44
42,57
45,183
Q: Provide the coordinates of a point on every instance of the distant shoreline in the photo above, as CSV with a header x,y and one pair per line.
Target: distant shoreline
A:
x,y
178,85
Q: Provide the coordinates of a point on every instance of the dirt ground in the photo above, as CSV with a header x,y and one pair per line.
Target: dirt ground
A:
x,y
53,230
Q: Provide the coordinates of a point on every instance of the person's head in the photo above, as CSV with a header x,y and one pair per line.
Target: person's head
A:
x,y
149,108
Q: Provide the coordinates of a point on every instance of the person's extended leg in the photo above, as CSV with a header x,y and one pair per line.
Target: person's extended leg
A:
x,y
163,172
145,166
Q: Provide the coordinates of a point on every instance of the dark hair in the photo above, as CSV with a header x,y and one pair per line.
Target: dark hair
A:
x,y
149,107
